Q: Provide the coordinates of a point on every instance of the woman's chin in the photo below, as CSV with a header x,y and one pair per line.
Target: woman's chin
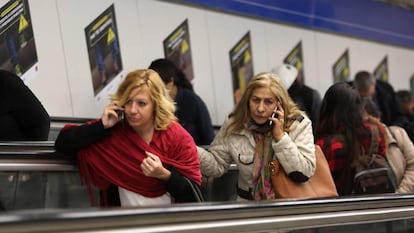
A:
x,y
260,121
133,124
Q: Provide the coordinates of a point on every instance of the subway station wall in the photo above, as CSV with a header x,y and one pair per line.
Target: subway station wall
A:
x,y
64,83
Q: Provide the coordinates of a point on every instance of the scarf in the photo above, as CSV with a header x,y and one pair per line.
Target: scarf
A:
x,y
262,185
116,159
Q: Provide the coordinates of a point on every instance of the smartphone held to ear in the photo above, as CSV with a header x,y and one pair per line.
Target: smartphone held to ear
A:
x,y
120,113
274,115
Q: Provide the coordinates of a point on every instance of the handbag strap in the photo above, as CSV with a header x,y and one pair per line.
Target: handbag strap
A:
x,y
196,190
374,139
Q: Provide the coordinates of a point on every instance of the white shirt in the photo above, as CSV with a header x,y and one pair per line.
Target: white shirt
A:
x,y
129,198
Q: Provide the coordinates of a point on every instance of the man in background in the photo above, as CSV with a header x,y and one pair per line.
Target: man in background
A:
x,y
406,119
381,93
308,99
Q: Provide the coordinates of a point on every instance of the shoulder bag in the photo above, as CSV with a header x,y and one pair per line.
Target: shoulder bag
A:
x,y
321,184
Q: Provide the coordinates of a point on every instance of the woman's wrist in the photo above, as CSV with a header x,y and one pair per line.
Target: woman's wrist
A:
x,y
278,137
166,174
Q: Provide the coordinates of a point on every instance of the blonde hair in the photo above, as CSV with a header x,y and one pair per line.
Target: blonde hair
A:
x,y
148,80
241,113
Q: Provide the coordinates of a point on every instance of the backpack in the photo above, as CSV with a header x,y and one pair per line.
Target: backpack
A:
x,y
373,175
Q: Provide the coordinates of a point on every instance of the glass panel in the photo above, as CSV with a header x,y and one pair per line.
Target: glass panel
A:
x,y
32,190
223,188
8,182
64,190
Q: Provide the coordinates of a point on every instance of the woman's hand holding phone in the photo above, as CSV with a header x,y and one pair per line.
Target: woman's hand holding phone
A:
x,y
277,119
274,115
112,114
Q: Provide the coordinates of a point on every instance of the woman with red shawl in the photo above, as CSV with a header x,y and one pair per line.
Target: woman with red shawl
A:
x,y
137,145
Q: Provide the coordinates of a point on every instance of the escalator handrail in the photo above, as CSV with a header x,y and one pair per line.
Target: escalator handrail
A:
x,y
219,217
33,156
61,119
33,152
260,216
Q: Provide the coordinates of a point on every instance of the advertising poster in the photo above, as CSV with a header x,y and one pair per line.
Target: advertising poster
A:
x,y
295,58
17,45
381,71
104,53
241,62
177,49
340,68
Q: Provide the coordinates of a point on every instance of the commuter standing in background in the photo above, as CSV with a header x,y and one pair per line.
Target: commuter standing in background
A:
x,y
343,135
381,93
365,83
265,125
307,99
22,116
191,111
143,151
387,102
406,119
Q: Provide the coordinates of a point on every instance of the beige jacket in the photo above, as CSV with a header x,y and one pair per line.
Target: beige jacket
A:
x,y
400,155
295,152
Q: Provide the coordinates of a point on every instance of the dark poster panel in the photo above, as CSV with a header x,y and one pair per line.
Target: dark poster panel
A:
x,y
103,49
241,62
295,58
340,68
17,45
381,71
178,50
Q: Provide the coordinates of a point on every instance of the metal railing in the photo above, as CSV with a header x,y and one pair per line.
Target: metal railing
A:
x,y
265,216
33,156
380,213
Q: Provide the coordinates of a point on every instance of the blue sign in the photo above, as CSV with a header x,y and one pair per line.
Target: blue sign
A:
x,y
366,19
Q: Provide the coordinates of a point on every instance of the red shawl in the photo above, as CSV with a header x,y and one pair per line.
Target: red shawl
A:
x,y
116,159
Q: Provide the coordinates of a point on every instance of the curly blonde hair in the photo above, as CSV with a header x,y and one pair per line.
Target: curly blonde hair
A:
x,y
149,80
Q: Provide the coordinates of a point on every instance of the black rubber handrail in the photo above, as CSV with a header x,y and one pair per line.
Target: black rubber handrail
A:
x,y
60,119
26,147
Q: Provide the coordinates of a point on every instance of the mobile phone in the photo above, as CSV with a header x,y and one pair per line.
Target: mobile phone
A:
x,y
120,113
274,115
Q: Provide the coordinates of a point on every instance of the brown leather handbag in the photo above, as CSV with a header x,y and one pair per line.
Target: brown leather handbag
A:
x,y
321,184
